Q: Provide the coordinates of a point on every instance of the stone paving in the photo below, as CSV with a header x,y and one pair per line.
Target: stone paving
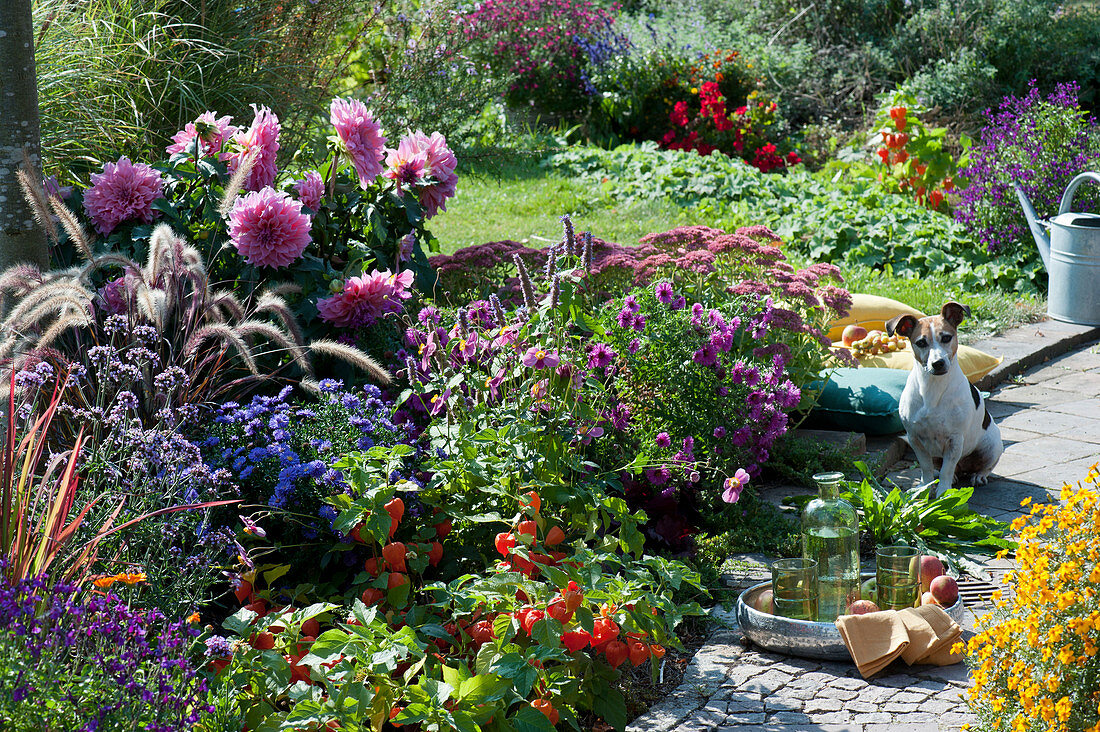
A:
x,y
1050,422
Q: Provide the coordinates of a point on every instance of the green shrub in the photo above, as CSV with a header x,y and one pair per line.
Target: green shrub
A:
x,y
416,56
826,216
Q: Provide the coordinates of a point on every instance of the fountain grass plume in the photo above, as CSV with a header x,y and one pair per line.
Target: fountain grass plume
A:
x,y
36,197
167,308
353,356
228,336
237,180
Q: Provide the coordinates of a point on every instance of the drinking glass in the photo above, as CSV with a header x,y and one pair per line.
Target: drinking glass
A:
x,y
794,588
898,576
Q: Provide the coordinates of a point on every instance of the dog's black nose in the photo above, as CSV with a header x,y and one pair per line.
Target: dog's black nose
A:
x,y
939,367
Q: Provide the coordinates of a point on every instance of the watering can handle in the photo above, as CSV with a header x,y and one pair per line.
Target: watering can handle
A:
x,y
1067,197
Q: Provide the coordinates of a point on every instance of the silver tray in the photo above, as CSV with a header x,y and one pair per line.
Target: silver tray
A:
x,y
801,637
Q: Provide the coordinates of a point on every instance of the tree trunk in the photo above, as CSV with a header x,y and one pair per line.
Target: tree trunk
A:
x,y
21,239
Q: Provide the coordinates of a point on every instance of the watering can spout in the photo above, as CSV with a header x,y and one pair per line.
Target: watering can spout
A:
x,y
1042,240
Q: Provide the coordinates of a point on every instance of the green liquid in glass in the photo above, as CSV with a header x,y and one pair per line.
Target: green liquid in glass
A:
x,y
836,551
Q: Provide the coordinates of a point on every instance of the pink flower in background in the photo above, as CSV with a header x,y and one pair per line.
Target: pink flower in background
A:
x,y
268,228
540,359
406,247
263,138
310,189
440,168
123,191
367,298
407,164
361,137
213,131
734,485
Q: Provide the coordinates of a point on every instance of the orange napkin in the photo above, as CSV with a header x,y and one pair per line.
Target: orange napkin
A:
x,y
873,639
923,634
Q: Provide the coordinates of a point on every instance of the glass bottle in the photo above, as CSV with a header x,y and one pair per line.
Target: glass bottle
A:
x,y
830,537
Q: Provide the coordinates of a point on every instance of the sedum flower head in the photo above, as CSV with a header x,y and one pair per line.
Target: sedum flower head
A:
x,y
360,136
123,191
268,228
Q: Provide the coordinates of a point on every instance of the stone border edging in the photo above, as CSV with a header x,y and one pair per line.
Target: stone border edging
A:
x,y
1030,345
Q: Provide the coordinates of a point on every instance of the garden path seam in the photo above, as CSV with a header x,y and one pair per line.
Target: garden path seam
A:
x,y
1050,421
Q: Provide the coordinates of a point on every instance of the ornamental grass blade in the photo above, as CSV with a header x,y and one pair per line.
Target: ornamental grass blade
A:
x,y
162,511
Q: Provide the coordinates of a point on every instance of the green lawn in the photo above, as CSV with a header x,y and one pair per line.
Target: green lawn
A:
x,y
517,199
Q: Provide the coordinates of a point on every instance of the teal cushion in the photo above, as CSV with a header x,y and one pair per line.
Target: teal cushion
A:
x,y
860,400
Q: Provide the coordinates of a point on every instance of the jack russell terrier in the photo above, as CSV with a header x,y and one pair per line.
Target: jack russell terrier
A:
x,y
945,417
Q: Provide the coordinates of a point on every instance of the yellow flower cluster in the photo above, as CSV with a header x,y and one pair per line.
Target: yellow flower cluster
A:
x,y
1034,660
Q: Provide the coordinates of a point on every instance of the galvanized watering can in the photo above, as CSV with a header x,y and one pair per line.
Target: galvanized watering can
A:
x,y
1071,254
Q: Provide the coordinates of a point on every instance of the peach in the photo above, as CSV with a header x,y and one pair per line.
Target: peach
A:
x,y
930,569
945,589
853,333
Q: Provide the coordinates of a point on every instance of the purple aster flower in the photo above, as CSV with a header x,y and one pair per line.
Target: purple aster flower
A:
x,y
663,291
663,440
600,355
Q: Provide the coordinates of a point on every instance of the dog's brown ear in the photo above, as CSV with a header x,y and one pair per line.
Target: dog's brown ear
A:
x,y
955,313
902,325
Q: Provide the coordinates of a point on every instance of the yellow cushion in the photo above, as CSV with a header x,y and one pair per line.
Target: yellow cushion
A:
x,y
872,312
974,363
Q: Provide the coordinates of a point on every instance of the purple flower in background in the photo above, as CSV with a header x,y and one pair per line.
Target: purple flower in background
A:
x,y
540,359
663,292
114,296
663,440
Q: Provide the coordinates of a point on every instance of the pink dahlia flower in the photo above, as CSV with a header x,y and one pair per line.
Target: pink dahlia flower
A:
x,y
361,137
213,131
262,137
123,191
407,164
268,228
310,189
367,298
439,169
